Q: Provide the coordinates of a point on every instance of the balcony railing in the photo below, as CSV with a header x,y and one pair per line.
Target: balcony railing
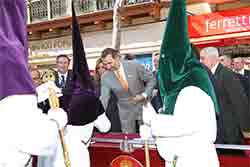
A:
x,y
38,10
42,10
85,6
58,8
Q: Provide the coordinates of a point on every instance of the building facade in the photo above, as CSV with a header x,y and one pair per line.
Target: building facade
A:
x,y
142,26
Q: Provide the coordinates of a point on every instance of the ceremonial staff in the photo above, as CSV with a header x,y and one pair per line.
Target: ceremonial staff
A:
x,y
54,104
146,150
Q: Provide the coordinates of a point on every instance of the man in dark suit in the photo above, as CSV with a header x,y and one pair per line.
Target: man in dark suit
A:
x,y
234,116
243,74
156,100
130,82
63,74
226,61
247,63
238,66
245,81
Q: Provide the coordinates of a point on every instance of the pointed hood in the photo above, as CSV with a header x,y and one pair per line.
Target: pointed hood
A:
x,y
80,99
178,65
81,74
15,78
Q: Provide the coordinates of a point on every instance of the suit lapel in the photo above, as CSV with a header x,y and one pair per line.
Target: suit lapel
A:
x,y
57,79
246,73
69,77
113,75
218,69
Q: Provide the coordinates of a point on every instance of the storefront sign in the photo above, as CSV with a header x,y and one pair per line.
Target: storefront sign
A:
x,y
243,49
219,23
58,43
209,1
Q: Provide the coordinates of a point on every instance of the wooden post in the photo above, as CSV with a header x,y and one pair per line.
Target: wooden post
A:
x,y
116,37
48,10
146,150
28,12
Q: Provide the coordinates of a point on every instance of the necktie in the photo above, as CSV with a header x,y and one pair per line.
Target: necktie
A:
x,y
122,81
62,81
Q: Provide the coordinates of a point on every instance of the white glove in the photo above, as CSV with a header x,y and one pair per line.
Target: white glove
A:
x,y
148,113
102,123
145,132
59,116
43,91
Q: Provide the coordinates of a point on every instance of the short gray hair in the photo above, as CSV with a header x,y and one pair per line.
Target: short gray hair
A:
x,y
210,51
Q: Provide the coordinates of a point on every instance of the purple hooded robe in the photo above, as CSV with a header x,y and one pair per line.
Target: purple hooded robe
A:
x,y
15,78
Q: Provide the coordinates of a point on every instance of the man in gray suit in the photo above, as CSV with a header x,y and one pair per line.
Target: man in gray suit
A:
x,y
130,82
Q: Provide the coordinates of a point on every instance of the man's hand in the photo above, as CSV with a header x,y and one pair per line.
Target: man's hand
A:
x,y
138,99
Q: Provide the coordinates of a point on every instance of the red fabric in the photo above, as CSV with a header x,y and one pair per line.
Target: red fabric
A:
x,y
247,152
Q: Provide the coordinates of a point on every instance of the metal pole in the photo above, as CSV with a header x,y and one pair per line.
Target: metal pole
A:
x,y
28,12
48,10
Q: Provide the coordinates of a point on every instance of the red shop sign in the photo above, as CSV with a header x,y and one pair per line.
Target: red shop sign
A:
x,y
218,23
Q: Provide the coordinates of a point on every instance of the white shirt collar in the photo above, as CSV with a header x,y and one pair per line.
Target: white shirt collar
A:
x,y
213,70
65,75
242,71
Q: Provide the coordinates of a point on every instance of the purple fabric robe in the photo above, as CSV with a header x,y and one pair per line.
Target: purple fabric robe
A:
x,y
15,79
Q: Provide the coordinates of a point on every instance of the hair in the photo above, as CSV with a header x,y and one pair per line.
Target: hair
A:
x,y
227,56
36,80
210,51
156,54
239,58
64,56
37,72
110,51
98,62
128,56
32,67
247,60
97,76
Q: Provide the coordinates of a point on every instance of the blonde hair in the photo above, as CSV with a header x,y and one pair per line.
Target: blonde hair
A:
x,y
97,76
